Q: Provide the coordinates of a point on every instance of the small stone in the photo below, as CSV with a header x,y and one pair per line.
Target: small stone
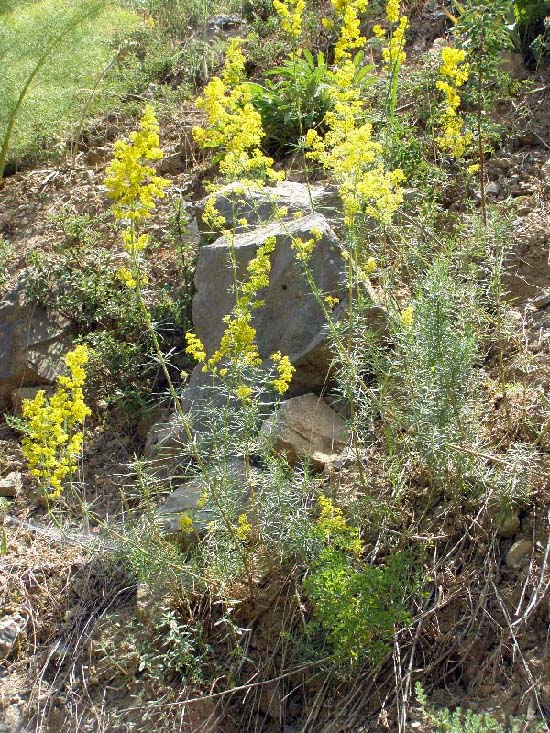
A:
x,y
307,427
541,301
518,553
11,628
508,526
492,189
10,484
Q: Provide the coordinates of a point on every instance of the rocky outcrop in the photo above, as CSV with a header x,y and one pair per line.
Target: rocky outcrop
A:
x,y
32,345
291,320
307,428
257,205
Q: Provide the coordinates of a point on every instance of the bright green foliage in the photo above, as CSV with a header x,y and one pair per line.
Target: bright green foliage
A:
x,y
358,606
466,721
51,52
295,101
531,31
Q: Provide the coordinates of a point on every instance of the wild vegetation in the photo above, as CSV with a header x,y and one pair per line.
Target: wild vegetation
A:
x,y
333,593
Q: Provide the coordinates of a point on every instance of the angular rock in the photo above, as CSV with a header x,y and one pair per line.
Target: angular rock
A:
x,y
23,393
290,320
258,206
32,344
306,427
10,484
518,553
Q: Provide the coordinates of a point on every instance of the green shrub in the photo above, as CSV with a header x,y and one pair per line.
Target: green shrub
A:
x,y
298,99
357,606
531,30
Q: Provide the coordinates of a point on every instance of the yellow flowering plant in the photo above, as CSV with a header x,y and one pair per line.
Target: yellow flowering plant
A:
x,y
453,73
54,427
234,125
238,346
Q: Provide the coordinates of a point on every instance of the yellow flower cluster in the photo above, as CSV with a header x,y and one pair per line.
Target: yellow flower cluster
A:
x,y
130,181
54,427
393,51
134,187
234,125
285,370
393,10
304,249
394,54
238,343
355,161
407,316
454,72
348,150
290,12
244,528
350,37
333,527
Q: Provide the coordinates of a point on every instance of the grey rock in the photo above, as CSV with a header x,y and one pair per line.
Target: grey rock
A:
x,y
541,301
307,427
291,320
10,484
32,344
518,553
492,188
185,500
11,629
258,205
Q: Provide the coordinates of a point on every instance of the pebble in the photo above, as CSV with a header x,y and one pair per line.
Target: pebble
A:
x,y
10,484
508,526
518,553
541,301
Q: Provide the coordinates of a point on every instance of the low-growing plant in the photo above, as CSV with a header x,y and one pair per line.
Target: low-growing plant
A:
x,y
358,606
459,720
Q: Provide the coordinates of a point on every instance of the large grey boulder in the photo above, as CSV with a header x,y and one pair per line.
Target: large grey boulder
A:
x,y
260,205
290,320
32,344
307,428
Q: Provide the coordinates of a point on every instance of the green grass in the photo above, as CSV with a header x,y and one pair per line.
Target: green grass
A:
x,y
53,53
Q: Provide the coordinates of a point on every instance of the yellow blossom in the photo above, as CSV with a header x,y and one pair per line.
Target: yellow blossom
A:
x,y
454,73
244,392
244,528
195,347
234,125
285,370
126,277
54,438
185,523
392,11
130,181
290,12
370,266
407,316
